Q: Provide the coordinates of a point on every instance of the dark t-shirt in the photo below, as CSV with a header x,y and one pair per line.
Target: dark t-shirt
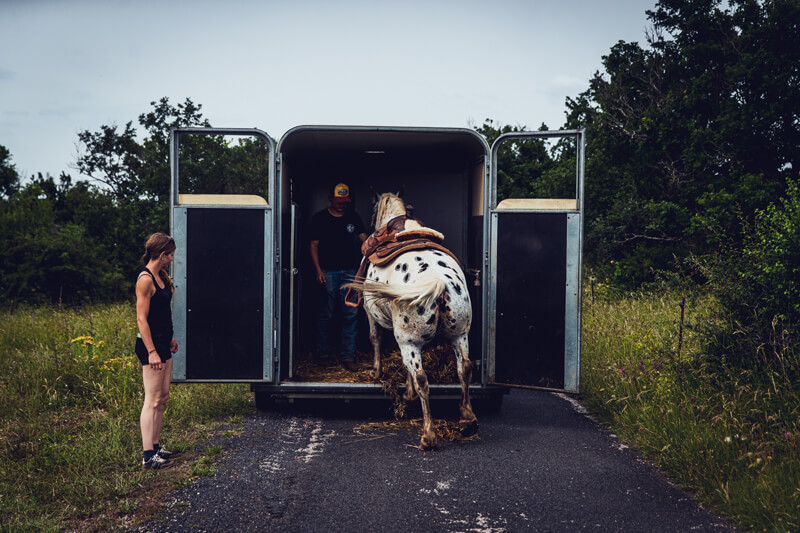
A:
x,y
339,245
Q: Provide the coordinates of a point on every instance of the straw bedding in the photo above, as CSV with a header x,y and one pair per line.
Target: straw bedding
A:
x,y
439,363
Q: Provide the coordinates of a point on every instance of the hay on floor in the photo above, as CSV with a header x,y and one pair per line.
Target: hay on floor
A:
x,y
439,363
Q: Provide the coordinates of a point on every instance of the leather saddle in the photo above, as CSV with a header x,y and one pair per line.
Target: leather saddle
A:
x,y
400,235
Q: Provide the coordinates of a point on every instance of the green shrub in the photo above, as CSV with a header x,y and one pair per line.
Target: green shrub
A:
x,y
758,285
771,262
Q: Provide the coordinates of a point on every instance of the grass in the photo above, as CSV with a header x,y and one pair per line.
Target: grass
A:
x,y
70,448
729,433
204,466
71,395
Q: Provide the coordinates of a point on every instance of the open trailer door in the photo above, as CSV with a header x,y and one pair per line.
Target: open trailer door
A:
x,y
533,319
223,221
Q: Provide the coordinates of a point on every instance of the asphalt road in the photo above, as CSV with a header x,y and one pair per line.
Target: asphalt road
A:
x,y
539,465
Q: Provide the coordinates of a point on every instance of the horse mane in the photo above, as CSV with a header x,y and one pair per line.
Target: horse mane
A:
x,y
387,207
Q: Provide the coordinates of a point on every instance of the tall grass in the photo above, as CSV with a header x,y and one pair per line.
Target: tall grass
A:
x,y
71,394
729,432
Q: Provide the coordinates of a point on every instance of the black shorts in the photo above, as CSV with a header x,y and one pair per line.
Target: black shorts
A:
x,y
161,345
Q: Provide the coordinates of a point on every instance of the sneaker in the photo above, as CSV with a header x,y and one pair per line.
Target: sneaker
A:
x,y
155,463
350,365
165,453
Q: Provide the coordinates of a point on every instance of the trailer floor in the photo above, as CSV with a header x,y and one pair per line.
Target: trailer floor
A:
x,y
313,379
439,363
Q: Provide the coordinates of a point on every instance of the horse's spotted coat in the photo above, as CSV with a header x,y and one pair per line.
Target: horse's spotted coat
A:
x,y
417,305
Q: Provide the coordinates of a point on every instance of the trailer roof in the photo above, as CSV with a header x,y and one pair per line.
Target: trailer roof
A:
x,y
374,139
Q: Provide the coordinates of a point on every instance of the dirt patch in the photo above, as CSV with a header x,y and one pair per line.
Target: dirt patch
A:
x,y
446,431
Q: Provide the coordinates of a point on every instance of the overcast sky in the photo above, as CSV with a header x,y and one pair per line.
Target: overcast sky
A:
x,y
73,65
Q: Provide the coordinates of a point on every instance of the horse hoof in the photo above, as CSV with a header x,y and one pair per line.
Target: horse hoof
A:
x,y
468,427
375,376
427,443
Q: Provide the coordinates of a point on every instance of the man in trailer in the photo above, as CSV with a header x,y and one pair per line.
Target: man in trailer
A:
x,y
336,233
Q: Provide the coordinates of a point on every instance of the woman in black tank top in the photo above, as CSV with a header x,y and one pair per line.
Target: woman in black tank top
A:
x,y
155,343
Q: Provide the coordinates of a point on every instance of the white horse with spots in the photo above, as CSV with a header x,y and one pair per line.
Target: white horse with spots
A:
x,y
420,294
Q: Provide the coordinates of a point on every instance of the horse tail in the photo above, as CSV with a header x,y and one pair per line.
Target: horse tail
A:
x,y
424,292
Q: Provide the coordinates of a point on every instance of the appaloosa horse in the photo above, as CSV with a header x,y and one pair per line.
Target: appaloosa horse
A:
x,y
419,294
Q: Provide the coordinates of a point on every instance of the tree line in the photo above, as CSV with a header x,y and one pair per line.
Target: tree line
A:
x,y
693,148
692,159
78,241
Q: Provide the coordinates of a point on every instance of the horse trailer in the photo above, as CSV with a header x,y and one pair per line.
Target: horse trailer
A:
x,y
244,304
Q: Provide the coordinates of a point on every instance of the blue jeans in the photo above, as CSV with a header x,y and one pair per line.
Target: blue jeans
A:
x,y
333,300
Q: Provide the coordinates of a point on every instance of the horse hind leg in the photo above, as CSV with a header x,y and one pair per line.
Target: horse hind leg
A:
x,y
375,338
468,421
412,358
411,394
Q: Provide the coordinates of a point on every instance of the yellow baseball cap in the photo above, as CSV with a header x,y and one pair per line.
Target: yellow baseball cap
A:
x,y
341,190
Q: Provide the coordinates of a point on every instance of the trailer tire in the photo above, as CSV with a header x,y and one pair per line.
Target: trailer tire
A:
x,y
264,401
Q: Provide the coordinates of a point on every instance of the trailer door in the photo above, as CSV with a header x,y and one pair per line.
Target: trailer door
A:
x,y
533,322
224,303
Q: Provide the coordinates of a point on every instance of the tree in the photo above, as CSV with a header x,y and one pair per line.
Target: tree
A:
x,y
9,179
140,171
72,241
132,170
114,159
55,243
136,177
689,134
521,164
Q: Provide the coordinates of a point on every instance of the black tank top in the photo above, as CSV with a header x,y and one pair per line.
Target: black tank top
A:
x,y
160,316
